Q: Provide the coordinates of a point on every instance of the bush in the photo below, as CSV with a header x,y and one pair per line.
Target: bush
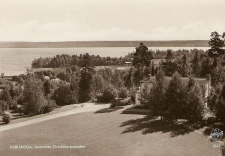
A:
x,y
114,103
124,102
108,95
50,106
119,102
3,105
13,104
6,118
122,93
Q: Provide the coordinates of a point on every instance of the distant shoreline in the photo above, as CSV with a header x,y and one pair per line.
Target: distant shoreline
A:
x,y
80,44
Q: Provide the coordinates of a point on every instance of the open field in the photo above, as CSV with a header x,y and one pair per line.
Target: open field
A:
x,y
72,44
106,133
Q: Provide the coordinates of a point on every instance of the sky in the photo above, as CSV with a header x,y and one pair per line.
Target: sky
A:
x,y
111,20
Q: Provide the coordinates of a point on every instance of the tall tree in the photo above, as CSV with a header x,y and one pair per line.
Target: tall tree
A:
x,y
85,86
216,101
157,98
33,96
175,97
216,43
196,64
194,101
185,66
142,57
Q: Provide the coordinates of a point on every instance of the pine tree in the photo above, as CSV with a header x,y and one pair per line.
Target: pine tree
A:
x,y
185,67
175,97
216,101
157,98
196,64
85,86
194,101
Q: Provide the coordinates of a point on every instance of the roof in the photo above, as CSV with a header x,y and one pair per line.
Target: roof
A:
x,y
201,81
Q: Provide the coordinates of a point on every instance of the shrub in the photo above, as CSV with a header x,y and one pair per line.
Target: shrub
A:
x,y
108,94
119,102
13,104
4,106
124,102
6,118
122,93
114,103
50,106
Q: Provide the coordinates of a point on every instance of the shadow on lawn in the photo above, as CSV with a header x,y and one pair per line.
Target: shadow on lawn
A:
x,y
152,125
108,110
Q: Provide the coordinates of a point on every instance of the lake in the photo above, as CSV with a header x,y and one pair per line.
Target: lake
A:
x,y
14,61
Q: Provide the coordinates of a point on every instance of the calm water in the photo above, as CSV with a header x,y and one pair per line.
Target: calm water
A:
x,y
14,61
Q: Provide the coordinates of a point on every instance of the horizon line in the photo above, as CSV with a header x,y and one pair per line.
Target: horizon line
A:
x,y
110,41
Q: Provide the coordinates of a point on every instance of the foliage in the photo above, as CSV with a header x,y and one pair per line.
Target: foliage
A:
x,y
82,60
64,95
142,56
85,85
145,95
122,93
196,64
6,118
108,94
33,96
117,79
156,99
206,66
5,96
175,97
129,78
62,76
169,55
3,106
194,101
216,42
184,66
169,67
119,102
97,84
216,101
50,106
47,87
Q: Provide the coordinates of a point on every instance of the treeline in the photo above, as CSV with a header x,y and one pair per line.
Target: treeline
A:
x,y
161,54
65,60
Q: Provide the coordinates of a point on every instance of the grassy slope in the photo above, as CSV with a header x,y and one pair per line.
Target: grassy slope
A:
x,y
105,134
70,44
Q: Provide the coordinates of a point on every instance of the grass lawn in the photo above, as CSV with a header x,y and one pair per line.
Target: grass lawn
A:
x,y
107,134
